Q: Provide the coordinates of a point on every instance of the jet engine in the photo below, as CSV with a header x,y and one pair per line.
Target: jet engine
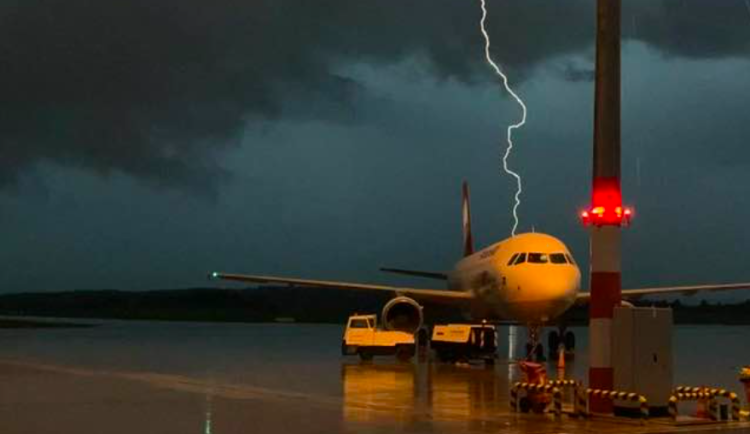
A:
x,y
402,314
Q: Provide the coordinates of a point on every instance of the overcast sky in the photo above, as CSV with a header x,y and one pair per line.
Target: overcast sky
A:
x,y
143,144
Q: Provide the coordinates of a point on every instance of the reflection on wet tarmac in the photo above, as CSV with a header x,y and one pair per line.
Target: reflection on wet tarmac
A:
x,y
207,427
462,392
409,394
373,391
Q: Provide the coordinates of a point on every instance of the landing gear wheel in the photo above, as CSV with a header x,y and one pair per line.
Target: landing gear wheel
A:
x,y
553,341
570,341
404,353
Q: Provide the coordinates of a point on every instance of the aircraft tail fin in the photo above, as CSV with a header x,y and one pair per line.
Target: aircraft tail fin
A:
x,y
466,209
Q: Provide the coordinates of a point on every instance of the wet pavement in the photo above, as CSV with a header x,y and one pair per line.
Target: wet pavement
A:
x,y
183,378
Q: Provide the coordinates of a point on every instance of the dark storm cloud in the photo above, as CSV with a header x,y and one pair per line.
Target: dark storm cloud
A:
x,y
691,28
158,90
575,74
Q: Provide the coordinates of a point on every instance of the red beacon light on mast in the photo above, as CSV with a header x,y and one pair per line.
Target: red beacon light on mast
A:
x,y
606,206
603,215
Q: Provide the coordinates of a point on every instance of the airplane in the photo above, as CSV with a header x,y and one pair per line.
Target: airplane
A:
x,y
529,278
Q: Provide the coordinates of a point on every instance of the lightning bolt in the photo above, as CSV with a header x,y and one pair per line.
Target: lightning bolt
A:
x,y
512,127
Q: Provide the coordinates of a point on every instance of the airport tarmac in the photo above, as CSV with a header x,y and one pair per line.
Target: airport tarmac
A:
x,y
159,377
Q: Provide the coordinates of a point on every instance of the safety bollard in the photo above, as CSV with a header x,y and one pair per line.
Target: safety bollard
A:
x,y
582,402
514,396
745,380
672,407
557,402
567,383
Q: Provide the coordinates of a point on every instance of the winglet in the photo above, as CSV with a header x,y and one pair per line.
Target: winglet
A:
x,y
466,209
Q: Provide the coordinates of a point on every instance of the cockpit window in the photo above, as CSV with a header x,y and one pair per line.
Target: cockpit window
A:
x,y
538,258
558,258
512,258
521,259
358,324
570,259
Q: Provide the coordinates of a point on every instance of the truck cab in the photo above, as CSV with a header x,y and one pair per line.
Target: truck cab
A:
x,y
363,337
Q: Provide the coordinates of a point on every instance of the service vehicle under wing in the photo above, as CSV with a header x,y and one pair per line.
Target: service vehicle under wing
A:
x,y
457,342
363,337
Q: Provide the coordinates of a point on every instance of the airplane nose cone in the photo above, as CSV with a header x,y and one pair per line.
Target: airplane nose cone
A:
x,y
564,284
561,289
573,281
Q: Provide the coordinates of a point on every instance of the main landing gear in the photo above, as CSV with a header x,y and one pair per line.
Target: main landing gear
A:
x,y
560,339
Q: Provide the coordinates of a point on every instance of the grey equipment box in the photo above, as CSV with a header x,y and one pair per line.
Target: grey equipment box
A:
x,y
642,353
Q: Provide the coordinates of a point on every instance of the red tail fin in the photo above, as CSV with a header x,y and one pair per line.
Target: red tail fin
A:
x,y
468,239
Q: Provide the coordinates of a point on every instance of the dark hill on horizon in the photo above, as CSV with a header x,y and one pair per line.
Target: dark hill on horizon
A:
x,y
271,303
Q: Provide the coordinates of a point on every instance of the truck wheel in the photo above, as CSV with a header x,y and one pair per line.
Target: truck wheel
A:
x,y
404,353
445,356
344,351
364,355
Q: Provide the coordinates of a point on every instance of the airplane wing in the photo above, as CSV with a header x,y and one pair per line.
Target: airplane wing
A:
x,y
416,273
435,295
634,294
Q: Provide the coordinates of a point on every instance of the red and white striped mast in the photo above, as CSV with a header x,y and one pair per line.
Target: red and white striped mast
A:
x,y
606,215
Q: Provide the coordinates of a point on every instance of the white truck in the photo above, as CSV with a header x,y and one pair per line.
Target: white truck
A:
x,y
363,337
463,342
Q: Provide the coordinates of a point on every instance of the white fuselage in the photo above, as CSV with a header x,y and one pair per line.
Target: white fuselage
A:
x,y
529,278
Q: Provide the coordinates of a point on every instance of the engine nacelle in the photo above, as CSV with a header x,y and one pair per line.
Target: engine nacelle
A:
x,y
402,314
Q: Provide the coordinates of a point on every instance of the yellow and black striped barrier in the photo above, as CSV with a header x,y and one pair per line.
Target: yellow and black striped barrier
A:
x,y
581,396
538,388
685,393
577,387
623,396
676,398
734,400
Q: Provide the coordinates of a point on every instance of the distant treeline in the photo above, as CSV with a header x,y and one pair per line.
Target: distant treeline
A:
x,y
267,304
261,304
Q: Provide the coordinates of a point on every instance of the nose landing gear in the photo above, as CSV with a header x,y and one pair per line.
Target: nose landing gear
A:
x,y
534,349
560,339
